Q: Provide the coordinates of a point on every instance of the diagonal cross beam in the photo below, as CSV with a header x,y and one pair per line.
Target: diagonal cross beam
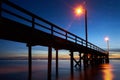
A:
x,y
77,62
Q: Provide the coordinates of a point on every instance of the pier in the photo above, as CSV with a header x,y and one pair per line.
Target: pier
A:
x,y
26,27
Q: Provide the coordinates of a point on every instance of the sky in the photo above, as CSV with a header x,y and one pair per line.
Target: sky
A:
x,y
103,20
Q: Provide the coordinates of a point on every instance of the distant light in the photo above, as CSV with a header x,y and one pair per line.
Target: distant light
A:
x,y
106,39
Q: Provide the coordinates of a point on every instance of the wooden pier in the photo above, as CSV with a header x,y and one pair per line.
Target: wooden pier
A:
x,y
37,31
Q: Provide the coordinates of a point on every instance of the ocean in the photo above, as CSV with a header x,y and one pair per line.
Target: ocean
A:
x,y
18,70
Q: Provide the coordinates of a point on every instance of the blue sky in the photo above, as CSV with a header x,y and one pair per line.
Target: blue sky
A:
x,y
103,20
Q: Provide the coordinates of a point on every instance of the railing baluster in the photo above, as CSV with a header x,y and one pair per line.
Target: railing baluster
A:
x,y
52,30
82,42
66,35
76,39
90,46
33,22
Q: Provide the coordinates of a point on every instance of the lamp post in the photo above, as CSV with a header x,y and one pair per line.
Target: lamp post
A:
x,y
107,40
86,31
79,11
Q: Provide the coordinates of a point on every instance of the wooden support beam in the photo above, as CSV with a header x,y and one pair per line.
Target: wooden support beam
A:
x,y
107,58
92,60
78,63
56,63
71,61
80,58
85,60
29,62
49,62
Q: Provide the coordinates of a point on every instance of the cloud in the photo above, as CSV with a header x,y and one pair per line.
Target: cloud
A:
x,y
115,50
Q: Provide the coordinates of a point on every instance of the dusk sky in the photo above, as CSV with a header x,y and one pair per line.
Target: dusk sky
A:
x,y
103,20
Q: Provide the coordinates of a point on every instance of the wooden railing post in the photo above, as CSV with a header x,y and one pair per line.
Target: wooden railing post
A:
x,y
33,22
52,30
66,34
76,39
82,42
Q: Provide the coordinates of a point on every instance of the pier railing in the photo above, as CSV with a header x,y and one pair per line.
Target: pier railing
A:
x,y
13,12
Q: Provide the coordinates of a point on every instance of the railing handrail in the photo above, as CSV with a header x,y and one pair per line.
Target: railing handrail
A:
x,y
76,39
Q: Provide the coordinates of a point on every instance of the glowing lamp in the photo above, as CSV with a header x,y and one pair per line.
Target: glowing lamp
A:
x,y
106,38
79,10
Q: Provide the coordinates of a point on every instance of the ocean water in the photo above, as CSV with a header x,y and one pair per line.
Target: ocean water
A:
x,y
18,70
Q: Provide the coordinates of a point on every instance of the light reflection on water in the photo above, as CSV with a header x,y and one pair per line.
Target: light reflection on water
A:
x,y
101,72
107,72
18,70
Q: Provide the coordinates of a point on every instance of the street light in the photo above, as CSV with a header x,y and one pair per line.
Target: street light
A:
x,y
79,11
107,40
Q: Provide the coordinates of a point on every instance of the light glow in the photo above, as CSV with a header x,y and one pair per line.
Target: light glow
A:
x,y
79,10
106,39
